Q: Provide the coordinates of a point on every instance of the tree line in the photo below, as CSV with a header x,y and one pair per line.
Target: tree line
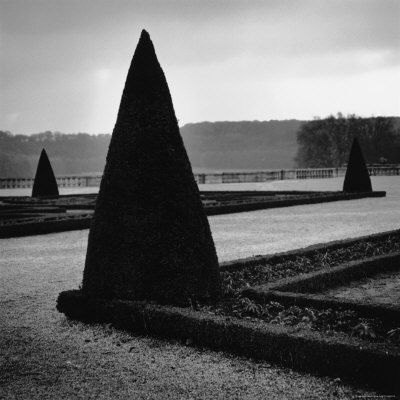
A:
x,y
226,145
324,143
78,153
216,146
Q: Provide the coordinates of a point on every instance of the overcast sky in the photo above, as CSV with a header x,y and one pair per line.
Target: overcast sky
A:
x,y
64,62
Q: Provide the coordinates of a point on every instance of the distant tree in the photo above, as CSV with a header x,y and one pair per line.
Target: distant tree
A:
x,y
326,142
218,145
313,139
13,164
79,153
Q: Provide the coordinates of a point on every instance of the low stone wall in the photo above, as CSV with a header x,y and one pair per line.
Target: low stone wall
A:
x,y
271,175
224,177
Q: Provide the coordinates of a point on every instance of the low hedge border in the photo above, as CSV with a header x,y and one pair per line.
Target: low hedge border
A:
x,y
329,277
217,193
336,356
306,251
22,217
10,209
320,197
389,314
46,226
79,206
300,290
38,228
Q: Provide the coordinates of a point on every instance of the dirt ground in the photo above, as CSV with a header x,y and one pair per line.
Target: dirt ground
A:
x,y
45,356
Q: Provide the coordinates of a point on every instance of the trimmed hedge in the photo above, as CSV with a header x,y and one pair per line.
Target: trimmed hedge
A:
x,y
9,209
357,178
260,192
37,228
45,183
299,290
377,365
306,251
303,200
150,237
42,227
389,314
337,276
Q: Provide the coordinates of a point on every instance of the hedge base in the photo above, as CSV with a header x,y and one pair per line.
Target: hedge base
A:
x,y
307,289
368,363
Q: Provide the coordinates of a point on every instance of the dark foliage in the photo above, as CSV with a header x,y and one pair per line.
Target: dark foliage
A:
x,y
306,350
250,145
325,142
295,263
78,153
239,145
357,178
210,146
326,320
150,237
45,183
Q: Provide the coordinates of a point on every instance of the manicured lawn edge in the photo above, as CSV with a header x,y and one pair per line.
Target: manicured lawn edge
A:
x,y
306,251
369,363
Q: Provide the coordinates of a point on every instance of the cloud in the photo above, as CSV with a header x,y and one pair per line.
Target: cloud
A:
x,y
61,57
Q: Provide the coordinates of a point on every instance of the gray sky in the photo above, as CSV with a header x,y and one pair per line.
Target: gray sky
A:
x,y
64,62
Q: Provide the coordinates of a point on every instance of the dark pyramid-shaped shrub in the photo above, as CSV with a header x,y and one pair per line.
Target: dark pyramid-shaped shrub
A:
x,y
150,237
357,178
45,183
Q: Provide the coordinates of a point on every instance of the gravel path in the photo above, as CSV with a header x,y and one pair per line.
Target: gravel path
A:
x,y
270,231
45,356
383,289
281,229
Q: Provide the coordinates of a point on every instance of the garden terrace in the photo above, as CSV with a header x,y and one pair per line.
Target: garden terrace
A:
x,y
49,356
340,341
15,221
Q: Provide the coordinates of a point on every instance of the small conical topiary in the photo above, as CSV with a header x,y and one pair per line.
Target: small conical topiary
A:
x,y
45,183
150,238
357,178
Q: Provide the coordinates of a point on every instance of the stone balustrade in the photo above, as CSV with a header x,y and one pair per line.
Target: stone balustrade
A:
x,y
223,177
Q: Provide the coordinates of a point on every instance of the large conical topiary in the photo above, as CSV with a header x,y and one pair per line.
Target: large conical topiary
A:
x,y
45,183
357,178
150,237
